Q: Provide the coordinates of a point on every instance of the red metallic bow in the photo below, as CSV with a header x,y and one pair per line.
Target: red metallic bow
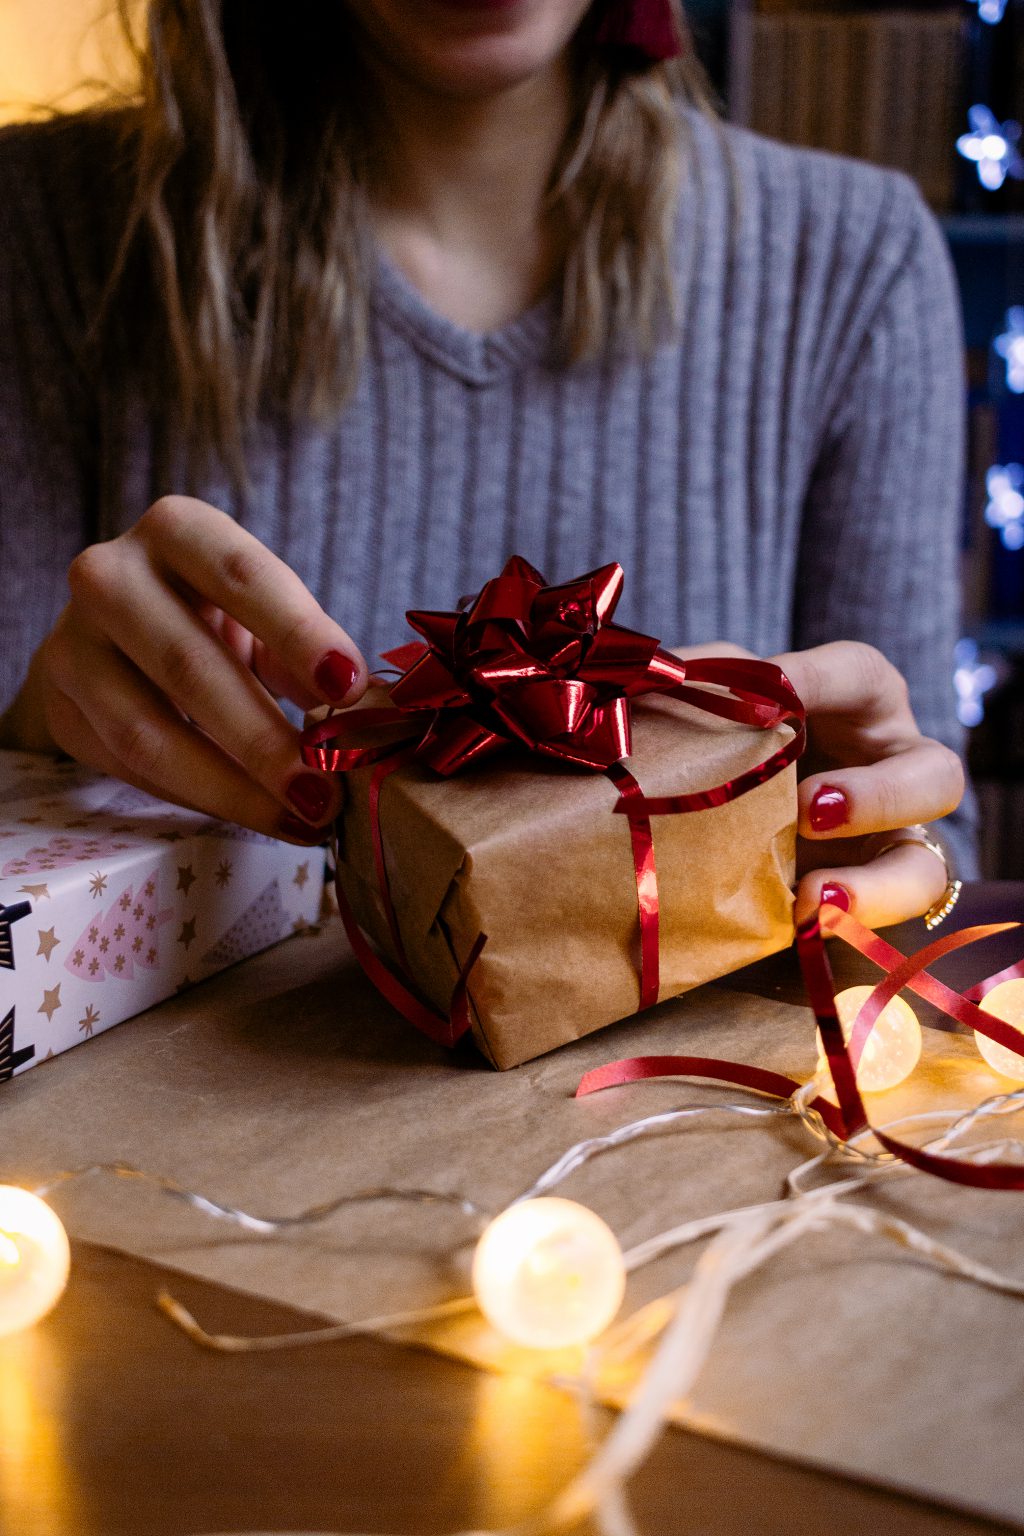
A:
x,y
545,669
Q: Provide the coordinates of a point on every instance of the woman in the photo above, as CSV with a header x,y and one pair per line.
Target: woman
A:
x,y
398,287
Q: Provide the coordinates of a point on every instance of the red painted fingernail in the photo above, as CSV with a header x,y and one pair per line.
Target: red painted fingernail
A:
x,y
311,796
301,831
829,808
836,896
335,675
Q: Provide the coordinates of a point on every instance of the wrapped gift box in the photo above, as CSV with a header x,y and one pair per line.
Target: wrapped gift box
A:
x,y
533,858
111,901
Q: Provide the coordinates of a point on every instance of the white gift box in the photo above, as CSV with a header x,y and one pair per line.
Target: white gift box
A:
x,y
111,901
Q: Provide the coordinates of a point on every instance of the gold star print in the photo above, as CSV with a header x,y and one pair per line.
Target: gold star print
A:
x,y
79,821
29,821
37,892
188,932
92,1018
48,942
186,877
51,1001
301,875
223,874
97,884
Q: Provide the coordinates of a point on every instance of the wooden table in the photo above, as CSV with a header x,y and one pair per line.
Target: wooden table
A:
x,y
111,1424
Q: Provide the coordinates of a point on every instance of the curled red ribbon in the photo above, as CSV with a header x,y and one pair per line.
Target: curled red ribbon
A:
x,y
849,1117
545,672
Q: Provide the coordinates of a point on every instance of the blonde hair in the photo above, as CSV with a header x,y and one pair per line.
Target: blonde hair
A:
x,y
245,253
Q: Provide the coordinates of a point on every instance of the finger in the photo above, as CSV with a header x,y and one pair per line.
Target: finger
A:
x,y
271,672
116,722
171,645
846,677
712,648
277,679
227,566
918,784
902,883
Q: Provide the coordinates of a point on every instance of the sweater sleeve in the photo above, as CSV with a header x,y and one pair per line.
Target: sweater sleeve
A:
x,y
880,534
47,435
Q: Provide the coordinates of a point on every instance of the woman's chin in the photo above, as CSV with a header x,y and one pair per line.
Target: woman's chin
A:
x,y
466,48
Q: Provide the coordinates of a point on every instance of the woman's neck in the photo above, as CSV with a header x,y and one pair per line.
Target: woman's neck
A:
x,y
459,204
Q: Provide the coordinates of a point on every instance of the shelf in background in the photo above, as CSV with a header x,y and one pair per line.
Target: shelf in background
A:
x,y
993,229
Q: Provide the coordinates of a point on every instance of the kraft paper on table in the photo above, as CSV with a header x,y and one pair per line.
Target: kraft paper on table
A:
x,y
288,1081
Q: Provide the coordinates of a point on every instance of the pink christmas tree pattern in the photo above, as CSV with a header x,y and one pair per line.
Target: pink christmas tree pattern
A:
x,y
126,936
62,851
263,922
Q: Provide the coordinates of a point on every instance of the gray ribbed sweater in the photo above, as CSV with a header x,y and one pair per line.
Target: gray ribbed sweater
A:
x,y
786,469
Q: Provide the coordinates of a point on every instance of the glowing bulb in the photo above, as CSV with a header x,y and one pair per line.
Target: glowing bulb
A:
x,y
892,1049
548,1274
1005,1002
34,1259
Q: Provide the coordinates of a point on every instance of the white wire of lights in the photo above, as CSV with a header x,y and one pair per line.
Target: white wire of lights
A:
x,y
681,1326
673,1334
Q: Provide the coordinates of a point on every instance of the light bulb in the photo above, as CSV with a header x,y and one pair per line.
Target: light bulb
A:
x,y
1004,1002
549,1273
891,1051
34,1259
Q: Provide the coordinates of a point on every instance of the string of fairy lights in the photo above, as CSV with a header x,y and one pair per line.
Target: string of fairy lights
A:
x,y
549,1274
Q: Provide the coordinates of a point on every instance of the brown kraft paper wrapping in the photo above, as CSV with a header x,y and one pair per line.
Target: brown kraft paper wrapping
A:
x,y
534,858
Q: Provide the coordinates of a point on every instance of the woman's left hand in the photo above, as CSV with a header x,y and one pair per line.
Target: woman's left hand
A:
x,y
871,772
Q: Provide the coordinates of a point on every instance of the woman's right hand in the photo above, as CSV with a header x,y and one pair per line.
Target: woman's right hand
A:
x,y
164,667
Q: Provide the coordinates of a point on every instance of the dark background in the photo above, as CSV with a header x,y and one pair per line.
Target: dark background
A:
x,y
894,85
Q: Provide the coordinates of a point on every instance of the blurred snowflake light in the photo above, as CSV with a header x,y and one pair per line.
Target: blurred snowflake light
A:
x,y
993,148
1010,345
1005,510
972,679
992,11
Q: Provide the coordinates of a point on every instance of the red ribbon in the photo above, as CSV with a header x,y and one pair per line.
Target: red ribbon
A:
x,y
543,671
849,1117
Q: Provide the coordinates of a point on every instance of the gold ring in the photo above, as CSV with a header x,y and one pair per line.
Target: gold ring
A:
x,y
943,906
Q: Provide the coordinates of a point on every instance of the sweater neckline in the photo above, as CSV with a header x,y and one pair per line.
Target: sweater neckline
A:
x,y
476,357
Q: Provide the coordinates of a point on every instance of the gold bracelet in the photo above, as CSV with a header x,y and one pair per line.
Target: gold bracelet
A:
x,y
943,906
